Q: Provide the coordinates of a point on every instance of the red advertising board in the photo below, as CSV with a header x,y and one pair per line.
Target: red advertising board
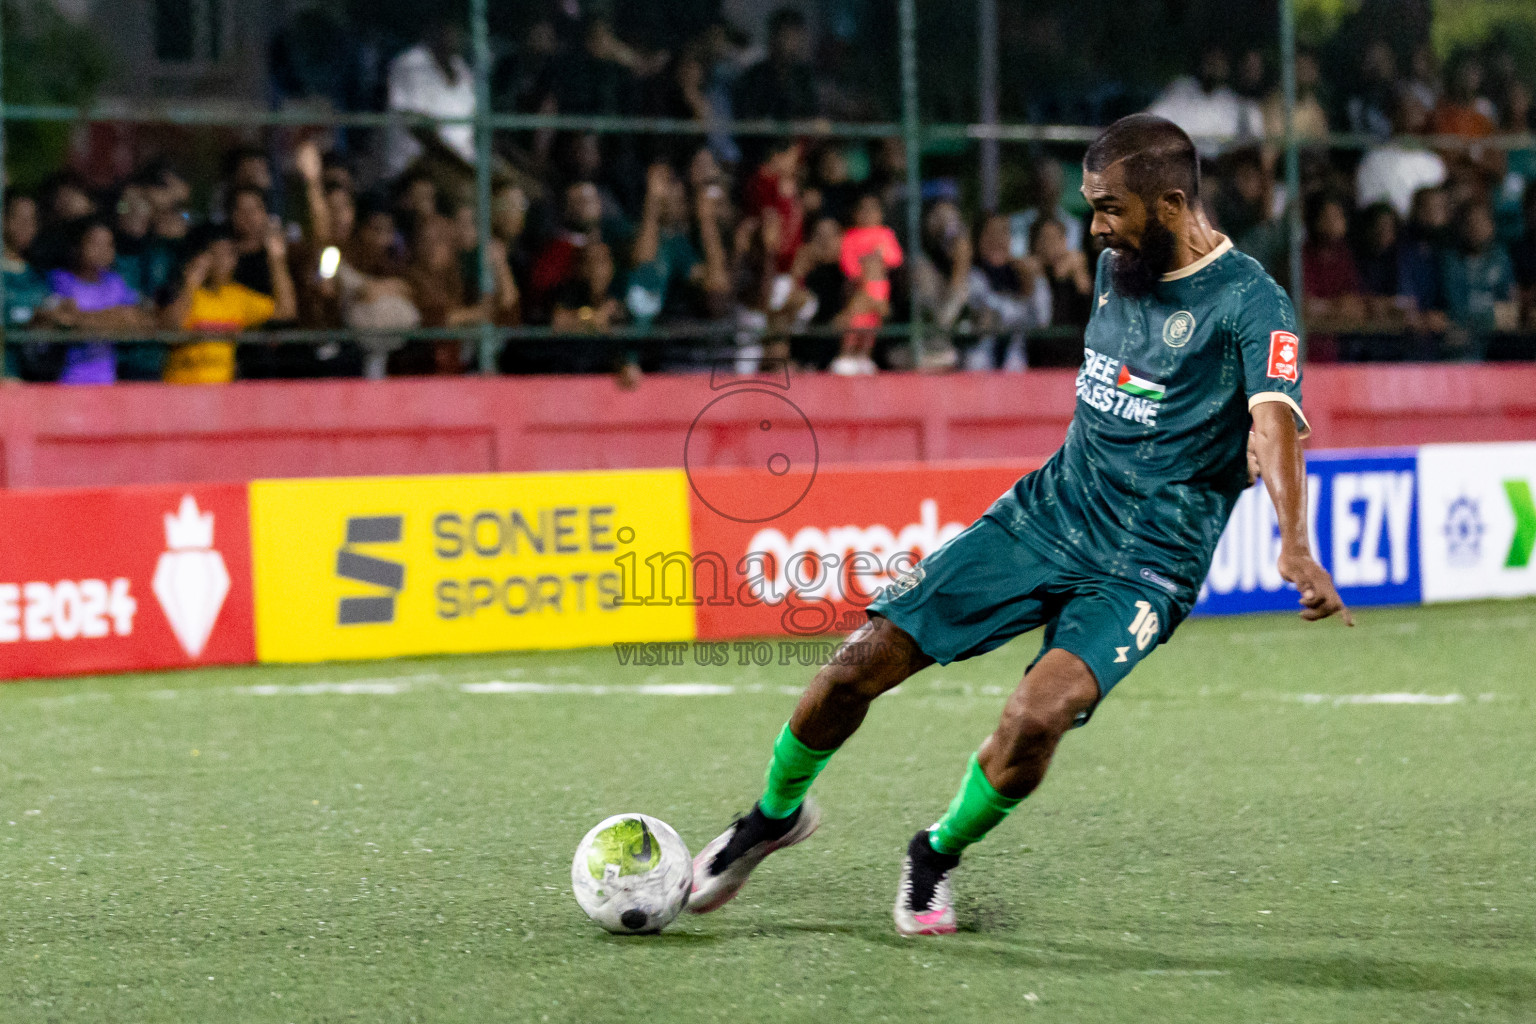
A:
x,y
812,568
124,579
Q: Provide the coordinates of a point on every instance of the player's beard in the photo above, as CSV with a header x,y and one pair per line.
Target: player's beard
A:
x,y
1137,271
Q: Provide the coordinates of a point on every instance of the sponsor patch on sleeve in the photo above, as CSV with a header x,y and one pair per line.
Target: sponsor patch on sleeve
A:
x,y
1284,350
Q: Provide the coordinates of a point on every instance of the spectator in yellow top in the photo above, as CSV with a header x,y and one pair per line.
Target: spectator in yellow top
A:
x,y
213,302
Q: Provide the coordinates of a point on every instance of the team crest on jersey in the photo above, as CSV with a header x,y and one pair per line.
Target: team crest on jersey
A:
x,y
1178,329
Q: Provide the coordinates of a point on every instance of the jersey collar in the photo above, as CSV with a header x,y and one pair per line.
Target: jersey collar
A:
x,y
1200,264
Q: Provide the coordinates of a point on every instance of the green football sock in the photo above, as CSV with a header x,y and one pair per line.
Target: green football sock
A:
x,y
976,810
790,774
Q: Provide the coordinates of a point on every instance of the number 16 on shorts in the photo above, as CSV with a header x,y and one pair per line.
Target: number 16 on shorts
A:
x,y
1144,627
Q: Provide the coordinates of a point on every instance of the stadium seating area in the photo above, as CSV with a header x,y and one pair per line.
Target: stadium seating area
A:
x,y
656,252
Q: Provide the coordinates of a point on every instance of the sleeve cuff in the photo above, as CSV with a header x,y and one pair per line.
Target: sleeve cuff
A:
x,y
1303,428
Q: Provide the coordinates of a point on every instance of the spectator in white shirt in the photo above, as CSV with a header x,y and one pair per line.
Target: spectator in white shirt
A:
x,y
1046,187
1393,172
1008,297
432,78
1206,107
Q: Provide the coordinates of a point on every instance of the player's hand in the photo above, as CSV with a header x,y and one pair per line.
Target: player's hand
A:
x,y
1319,597
1253,460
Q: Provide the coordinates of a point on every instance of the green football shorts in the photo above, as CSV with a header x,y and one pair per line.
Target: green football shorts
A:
x,y
986,586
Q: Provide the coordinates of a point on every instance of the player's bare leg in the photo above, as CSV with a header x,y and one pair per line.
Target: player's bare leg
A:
x,y
872,661
1040,711
1010,764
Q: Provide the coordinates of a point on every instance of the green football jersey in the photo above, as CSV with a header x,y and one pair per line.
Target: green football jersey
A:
x,y
1156,455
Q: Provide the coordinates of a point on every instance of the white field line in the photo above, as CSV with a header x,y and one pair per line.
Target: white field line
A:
x,y
389,687
1292,636
1382,698
939,688
597,690
1495,623
363,685
359,688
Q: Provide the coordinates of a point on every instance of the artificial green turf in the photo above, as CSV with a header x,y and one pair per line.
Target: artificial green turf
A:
x,y
1213,847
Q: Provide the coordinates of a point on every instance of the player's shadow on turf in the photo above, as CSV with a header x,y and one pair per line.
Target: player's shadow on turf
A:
x,y
971,918
672,937
1344,972
877,932
985,940
1334,972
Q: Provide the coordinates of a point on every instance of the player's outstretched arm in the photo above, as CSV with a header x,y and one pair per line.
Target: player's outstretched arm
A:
x,y
1278,450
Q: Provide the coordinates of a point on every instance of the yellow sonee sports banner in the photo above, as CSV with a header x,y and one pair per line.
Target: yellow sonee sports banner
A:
x,y
386,566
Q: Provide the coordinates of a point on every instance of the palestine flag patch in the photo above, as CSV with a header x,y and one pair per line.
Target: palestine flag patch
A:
x,y
1142,387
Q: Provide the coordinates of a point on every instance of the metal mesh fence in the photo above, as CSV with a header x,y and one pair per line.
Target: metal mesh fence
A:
x,y
896,96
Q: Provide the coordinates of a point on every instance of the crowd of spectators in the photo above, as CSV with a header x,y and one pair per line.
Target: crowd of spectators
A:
x,y
651,252
1411,251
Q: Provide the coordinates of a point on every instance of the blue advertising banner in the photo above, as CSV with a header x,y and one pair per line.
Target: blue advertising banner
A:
x,y
1363,516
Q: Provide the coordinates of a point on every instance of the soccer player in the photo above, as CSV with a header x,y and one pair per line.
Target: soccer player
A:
x,y
1190,357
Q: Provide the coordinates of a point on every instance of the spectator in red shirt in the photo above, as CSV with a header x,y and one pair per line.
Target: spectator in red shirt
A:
x,y
1331,288
559,260
776,187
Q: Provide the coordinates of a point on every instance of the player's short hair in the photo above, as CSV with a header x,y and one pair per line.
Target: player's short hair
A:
x,y
1158,156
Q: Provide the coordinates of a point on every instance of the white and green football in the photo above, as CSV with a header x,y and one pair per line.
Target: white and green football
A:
x,y
632,874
